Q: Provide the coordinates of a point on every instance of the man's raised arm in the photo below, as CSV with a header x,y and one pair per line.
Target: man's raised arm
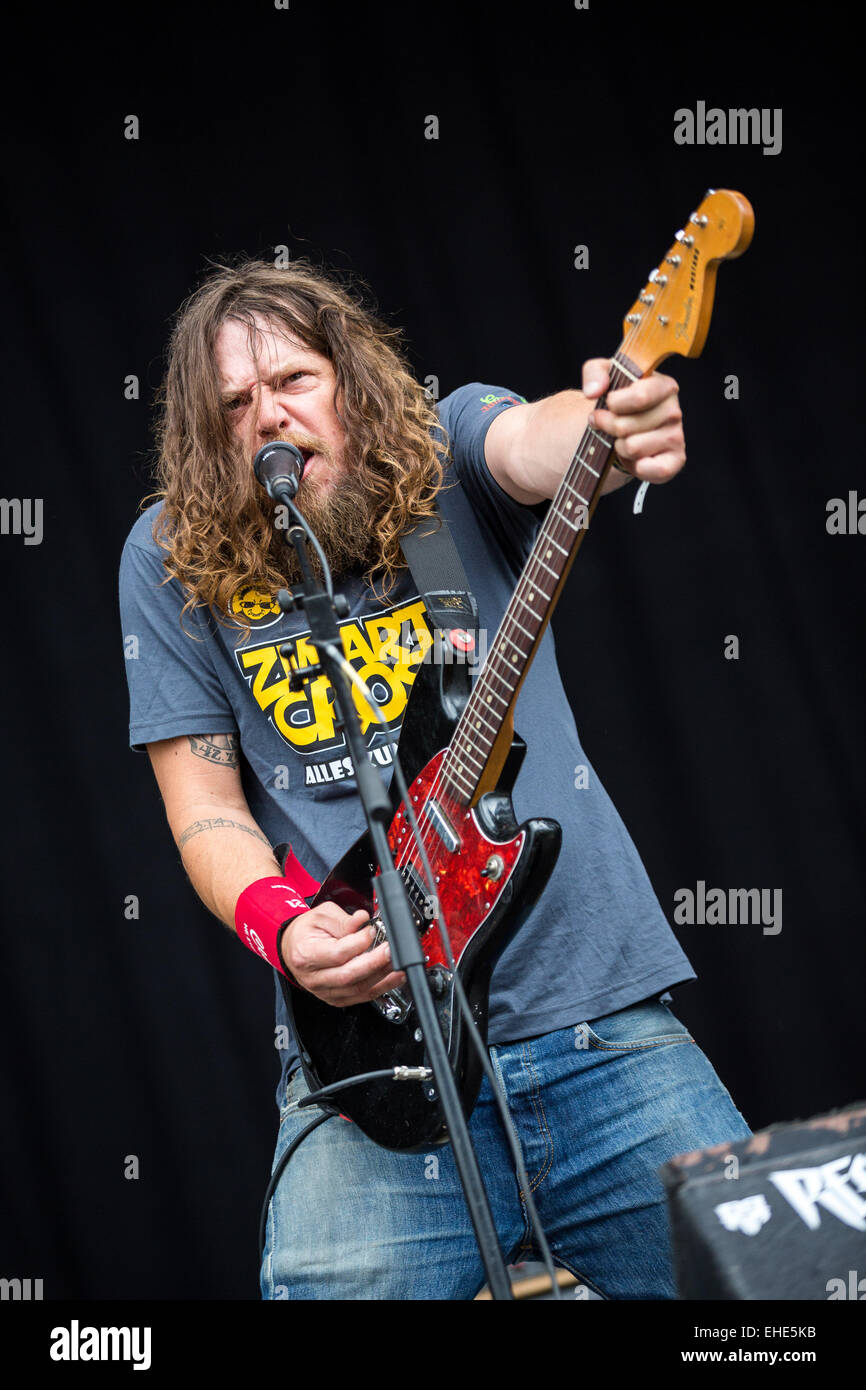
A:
x,y
529,447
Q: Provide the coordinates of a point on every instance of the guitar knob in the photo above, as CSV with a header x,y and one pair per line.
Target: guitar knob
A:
x,y
493,868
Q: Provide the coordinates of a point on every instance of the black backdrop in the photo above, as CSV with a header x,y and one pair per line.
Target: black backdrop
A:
x,y
305,126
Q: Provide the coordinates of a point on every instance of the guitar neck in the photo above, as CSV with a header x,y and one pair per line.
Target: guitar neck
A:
x,y
671,315
483,735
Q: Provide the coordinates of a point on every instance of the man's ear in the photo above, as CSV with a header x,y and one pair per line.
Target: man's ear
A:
x,y
338,403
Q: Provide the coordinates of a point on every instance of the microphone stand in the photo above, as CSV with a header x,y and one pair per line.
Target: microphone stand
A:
x,y
322,611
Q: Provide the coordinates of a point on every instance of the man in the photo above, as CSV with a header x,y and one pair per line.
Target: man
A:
x,y
603,1082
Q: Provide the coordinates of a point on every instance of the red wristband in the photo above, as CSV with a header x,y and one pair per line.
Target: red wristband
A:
x,y
266,906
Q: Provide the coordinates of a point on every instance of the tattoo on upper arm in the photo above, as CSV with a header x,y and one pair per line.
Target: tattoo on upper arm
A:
x,y
216,748
219,823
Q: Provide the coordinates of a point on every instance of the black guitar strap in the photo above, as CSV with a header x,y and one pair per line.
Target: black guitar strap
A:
x,y
438,572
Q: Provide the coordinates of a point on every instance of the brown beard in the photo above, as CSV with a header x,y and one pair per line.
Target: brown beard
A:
x,y
341,515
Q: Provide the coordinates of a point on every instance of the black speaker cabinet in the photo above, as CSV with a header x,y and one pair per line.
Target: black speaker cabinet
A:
x,y
780,1215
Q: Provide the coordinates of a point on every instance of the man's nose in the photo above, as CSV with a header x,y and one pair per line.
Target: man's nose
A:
x,y
273,412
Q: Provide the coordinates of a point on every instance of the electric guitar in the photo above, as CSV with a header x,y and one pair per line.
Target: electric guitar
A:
x,y
460,756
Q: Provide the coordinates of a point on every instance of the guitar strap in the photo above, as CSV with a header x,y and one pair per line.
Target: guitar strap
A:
x,y
438,572
452,609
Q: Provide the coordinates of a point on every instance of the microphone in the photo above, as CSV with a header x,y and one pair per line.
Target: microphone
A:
x,y
279,468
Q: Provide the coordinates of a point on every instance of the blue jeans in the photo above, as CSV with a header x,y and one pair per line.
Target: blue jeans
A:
x,y
597,1107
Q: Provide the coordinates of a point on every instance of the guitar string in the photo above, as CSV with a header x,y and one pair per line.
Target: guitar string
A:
x,y
531,580
528,581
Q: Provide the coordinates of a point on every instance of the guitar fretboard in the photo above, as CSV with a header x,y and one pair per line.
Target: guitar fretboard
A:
x,y
498,682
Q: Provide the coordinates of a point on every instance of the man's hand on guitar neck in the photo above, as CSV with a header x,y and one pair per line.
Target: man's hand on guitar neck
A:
x,y
529,447
644,419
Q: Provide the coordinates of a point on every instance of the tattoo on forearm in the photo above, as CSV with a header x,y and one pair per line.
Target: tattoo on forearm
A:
x,y
219,823
216,748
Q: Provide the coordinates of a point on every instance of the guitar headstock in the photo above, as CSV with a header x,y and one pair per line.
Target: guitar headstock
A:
x,y
672,314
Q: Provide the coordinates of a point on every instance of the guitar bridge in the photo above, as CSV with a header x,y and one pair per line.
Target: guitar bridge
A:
x,y
394,1004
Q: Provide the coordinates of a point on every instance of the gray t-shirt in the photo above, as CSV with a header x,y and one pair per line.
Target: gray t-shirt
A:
x,y
597,940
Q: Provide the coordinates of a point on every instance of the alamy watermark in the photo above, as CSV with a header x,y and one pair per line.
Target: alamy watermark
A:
x,y
729,907
846,516
737,126
22,516
20,1290
77,1343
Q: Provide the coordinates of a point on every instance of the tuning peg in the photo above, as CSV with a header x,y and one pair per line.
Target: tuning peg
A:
x,y
674,260
684,238
656,278
646,298
709,192
700,219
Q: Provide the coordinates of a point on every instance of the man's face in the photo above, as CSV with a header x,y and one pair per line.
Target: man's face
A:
x,y
288,393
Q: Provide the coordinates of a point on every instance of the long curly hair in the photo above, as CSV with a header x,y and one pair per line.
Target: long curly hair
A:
x,y
216,522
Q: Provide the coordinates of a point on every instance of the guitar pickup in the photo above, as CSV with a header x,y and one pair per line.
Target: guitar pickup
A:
x,y
442,825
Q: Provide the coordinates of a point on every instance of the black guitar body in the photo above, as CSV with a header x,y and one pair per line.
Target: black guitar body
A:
x,y
337,1043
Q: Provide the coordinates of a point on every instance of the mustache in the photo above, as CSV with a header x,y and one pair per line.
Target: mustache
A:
x,y
307,443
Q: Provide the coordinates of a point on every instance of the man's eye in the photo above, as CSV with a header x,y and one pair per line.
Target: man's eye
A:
x,y
234,404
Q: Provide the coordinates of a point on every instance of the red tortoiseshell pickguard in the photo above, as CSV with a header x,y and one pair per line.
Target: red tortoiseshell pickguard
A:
x,y
466,897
